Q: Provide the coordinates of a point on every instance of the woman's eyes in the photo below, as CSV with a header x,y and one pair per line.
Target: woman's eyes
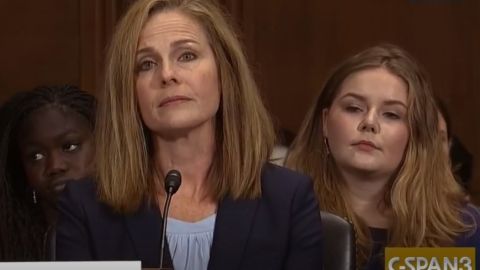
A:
x,y
187,57
146,65
389,115
392,115
37,156
70,147
353,109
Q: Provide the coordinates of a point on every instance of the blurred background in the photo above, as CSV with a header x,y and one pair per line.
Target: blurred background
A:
x,y
292,46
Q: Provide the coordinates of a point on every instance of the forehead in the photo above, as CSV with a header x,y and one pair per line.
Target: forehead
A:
x,y
375,83
171,24
52,121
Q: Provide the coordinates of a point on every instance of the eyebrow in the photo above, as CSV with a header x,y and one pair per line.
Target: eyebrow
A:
x,y
386,102
176,43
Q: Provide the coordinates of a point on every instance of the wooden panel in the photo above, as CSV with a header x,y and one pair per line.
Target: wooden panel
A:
x,y
40,44
97,22
472,125
294,47
55,42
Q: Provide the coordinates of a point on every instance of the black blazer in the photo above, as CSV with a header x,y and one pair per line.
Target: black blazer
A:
x,y
280,230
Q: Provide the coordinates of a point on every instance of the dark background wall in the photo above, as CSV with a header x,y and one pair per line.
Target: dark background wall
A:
x,y
292,46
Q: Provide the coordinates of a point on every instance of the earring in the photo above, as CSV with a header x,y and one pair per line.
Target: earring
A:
x,y
325,141
34,196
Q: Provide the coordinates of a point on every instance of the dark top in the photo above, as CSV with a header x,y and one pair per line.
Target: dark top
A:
x,y
280,230
468,239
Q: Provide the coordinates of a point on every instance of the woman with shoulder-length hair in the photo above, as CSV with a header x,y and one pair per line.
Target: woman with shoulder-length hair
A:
x,y
179,95
372,146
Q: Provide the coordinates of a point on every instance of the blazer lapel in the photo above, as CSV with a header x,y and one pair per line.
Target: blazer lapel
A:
x,y
232,230
144,227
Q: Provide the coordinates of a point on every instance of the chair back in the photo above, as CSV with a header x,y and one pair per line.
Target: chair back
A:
x,y
339,243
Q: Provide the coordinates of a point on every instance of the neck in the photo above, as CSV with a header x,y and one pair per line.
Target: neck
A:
x,y
366,194
192,155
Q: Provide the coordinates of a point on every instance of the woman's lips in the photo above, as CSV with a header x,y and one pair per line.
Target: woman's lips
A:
x,y
172,100
58,185
366,146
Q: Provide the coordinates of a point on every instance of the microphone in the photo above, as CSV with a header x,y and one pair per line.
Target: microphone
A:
x,y
172,183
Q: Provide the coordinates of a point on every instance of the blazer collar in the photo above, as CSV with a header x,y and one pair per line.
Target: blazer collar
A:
x,y
144,227
232,229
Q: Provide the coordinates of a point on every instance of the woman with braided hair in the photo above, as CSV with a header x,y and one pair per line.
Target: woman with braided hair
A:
x,y
45,140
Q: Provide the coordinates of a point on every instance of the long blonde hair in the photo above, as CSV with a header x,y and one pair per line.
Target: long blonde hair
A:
x,y
244,133
424,198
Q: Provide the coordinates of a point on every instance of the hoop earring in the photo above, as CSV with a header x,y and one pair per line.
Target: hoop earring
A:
x,y
34,196
325,142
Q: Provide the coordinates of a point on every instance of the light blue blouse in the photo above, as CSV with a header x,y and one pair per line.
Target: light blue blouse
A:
x,y
190,243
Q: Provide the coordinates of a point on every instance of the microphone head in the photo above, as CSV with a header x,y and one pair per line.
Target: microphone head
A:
x,y
172,181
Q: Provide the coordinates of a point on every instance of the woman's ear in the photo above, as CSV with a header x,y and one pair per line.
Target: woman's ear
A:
x,y
324,122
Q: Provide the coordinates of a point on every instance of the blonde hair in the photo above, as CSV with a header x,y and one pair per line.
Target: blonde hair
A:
x,y
425,200
244,133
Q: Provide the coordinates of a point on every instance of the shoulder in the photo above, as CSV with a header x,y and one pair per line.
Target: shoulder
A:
x,y
277,178
84,185
82,189
282,186
275,173
81,196
289,200
471,217
472,210
80,205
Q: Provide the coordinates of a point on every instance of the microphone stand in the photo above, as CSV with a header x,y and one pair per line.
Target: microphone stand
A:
x,y
172,183
166,207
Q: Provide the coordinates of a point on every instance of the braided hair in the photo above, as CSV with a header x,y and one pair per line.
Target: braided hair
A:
x,y
22,223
